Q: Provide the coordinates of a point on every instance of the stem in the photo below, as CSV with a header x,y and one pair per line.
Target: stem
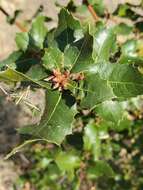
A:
x,y
91,10
3,11
18,148
22,28
93,13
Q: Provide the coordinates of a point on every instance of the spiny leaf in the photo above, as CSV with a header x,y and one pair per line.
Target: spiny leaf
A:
x,y
37,72
64,34
66,20
111,111
84,57
22,40
103,44
53,59
54,126
12,76
97,90
12,58
97,47
75,57
67,161
111,81
70,56
38,32
114,112
92,141
100,168
129,53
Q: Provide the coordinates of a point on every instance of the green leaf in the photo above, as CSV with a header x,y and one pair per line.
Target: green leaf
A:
x,y
76,56
67,161
53,59
129,53
54,126
37,72
110,111
98,169
71,54
103,44
123,29
12,58
38,32
114,112
108,81
97,91
91,140
12,76
64,34
84,58
25,62
66,20
22,40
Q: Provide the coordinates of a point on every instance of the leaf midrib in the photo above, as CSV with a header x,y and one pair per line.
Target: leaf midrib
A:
x,y
46,122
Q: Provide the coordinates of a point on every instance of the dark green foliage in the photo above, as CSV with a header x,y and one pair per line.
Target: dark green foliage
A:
x,y
94,86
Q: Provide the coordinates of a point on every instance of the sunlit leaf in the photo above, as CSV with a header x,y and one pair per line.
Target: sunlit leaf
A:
x,y
22,40
38,32
54,126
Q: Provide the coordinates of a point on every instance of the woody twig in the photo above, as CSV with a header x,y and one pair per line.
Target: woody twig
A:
x,y
91,10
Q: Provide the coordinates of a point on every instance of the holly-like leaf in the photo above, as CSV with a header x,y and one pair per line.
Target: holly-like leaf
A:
x,y
12,58
103,44
100,168
22,40
37,73
97,91
54,126
115,113
84,57
66,20
130,53
67,25
38,33
71,54
111,111
92,141
76,56
111,81
53,59
67,161
12,76
94,48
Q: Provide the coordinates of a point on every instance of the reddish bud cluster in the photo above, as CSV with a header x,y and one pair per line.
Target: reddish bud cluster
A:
x,y
60,80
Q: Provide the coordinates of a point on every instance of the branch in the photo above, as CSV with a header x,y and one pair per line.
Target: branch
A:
x,y
93,13
91,10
